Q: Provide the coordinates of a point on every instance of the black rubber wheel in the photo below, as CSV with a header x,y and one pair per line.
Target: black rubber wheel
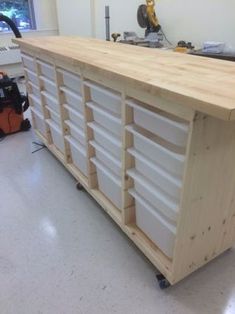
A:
x,y
25,125
2,134
163,282
79,187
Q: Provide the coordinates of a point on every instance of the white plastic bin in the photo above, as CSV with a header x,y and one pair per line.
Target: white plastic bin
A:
x,y
57,135
170,130
73,99
155,196
54,116
47,70
154,226
28,62
107,159
168,160
108,141
32,77
105,97
111,122
71,80
35,102
78,153
51,101
151,170
76,132
39,121
48,85
75,116
35,90
108,183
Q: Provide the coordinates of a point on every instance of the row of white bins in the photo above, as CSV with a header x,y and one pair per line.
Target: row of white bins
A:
x,y
158,172
39,122
56,134
165,126
154,225
28,62
105,106
35,102
108,120
51,101
73,99
109,183
78,154
71,81
74,109
105,97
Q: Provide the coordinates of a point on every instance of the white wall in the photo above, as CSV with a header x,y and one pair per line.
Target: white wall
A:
x,y
46,14
74,17
191,20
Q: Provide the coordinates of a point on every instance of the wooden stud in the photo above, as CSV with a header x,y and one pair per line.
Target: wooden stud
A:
x,y
128,208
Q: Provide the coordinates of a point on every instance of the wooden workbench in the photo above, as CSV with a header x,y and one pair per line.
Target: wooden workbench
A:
x,y
149,134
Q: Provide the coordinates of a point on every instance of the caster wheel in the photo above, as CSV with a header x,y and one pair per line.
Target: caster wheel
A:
x,y
163,282
25,125
79,187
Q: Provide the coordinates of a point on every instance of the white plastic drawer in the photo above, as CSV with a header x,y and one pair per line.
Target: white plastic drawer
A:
x,y
28,62
106,158
154,226
54,116
170,130
166,159
76,132
48,85
72,81
51,101
75,116
34,90
105,97
35,102
155,196
168,183
39,121
109,121
108,141
57,136
78,153
47,70
108,183
73,99
32,77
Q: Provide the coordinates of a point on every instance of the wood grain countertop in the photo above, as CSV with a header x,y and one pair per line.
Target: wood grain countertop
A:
x,y
204,84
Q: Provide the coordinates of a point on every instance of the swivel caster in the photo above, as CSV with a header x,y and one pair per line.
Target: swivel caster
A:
x,y
79,187
163,282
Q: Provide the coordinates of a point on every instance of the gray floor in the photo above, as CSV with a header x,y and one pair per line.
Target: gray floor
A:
x,y
61,254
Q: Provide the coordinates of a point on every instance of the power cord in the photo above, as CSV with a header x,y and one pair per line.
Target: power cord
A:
x,y
166,37
41,146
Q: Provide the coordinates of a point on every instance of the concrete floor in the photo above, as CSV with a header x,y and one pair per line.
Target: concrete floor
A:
x,y
61,254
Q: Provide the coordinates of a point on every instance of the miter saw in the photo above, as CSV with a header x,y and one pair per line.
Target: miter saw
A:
x,y
147,19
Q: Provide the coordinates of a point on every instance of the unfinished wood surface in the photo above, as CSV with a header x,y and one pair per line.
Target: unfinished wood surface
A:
x,y
128,210
207,219
206,85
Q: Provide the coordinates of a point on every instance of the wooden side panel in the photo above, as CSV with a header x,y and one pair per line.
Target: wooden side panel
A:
x,y
207,220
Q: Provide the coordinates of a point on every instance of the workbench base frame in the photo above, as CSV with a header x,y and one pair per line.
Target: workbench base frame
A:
x,y
206,224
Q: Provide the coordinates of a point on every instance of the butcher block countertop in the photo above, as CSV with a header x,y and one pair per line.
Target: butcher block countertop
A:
x,y
203,84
